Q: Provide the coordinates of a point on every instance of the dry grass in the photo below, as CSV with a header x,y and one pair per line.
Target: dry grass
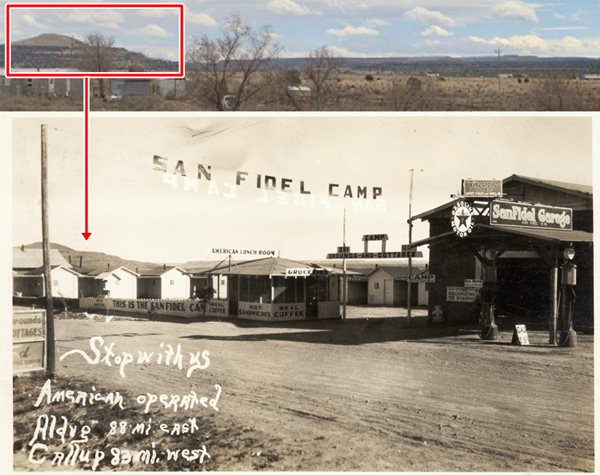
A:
x,y
386,92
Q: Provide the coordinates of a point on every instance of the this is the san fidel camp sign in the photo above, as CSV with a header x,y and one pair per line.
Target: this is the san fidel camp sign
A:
x,y
532,216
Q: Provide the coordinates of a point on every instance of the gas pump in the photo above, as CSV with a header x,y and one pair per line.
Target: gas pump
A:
x,y
488,330
568,281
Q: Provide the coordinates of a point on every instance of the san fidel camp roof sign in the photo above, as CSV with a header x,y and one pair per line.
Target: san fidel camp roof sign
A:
x,y
506,213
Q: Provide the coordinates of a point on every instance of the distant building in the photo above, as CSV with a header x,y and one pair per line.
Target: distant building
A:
x,y
591,77
388,286
163,282
120,283
47,87
134,87
171,87
30,283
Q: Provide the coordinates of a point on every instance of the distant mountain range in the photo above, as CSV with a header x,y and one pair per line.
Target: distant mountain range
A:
x,y
454,66
54,51
50,50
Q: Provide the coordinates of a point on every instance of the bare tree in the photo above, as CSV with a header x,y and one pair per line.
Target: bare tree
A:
x,y
225,68
556,93
98,55
321,71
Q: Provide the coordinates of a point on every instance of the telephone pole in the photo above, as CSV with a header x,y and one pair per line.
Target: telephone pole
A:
x,y
408,280
50,362
344,279
498,51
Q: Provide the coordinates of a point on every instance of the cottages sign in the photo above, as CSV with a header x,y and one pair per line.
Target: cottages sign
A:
x,y
29,340
531,216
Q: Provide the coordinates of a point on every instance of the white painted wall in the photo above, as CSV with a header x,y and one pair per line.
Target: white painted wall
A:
x,y
121,284
175,285
64,283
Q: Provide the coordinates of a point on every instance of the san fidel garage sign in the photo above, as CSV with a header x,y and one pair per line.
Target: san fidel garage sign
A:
x,y
506,213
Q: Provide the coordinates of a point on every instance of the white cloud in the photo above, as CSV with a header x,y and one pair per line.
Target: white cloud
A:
x,y
428,43
568,45
26,19
374,22
154,31
98,18
156,12
200,19
562,28
338,52
516,9
428,17
435,30
289,7
353,31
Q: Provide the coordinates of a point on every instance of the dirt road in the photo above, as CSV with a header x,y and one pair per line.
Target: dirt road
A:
x,y
361,394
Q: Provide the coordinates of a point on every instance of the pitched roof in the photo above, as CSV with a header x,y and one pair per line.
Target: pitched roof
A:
x,y
32,258
96,272
39,271
397,272
265,266
553,184
157,271
562,186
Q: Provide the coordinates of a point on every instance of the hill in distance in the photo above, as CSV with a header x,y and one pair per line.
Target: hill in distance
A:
x,y
52,51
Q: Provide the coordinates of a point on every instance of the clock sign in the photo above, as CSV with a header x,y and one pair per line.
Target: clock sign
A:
x,y
462,219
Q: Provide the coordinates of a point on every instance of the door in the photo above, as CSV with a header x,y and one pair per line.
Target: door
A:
x,y
388,292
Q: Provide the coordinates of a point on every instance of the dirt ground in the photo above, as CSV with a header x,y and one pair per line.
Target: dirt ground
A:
x,y
364,394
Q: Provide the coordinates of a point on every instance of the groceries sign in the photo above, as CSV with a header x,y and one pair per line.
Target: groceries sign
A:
x,y
531,216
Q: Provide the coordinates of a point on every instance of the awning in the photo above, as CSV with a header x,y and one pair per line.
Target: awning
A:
x,y
556,236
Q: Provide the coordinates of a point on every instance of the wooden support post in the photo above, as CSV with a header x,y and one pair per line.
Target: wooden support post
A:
x,y
50,361
553,297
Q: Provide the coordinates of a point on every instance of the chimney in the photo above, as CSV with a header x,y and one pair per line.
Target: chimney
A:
x,y
108,266
80,261
70,259
137,271
22,247
164,266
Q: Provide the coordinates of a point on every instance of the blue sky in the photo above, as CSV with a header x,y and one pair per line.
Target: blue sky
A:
x,y
356,27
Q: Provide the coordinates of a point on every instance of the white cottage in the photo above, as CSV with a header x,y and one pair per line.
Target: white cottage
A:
x,y
119,283
65,282
164,282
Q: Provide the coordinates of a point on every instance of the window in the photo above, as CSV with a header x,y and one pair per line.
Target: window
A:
x,y
55,283
376,285
171,282
29,82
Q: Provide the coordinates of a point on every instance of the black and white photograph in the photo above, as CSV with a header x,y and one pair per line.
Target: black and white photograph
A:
x,y
299,292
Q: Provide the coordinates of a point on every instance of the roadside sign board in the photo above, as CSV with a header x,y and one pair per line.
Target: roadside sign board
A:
x,y
299,272
428,278
476,283
507,213
520,336
482,188
461,294
374,255
29,340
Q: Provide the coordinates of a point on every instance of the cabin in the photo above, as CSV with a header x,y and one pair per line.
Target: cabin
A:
x,y
163,282
388,286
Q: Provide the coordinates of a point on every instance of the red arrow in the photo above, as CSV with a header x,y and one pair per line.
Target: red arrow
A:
x,y
86,113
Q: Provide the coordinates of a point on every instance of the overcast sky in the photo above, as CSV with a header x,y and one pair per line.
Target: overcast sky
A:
x,y
141,213
355,27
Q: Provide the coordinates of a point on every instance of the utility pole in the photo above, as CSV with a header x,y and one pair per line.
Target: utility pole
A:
x,y
409,283
498,51
50,362
344,280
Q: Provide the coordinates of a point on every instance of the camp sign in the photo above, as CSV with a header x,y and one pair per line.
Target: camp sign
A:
x,y
532,216
29,340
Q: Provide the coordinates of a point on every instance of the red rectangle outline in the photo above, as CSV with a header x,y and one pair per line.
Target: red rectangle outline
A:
x,y
179,74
